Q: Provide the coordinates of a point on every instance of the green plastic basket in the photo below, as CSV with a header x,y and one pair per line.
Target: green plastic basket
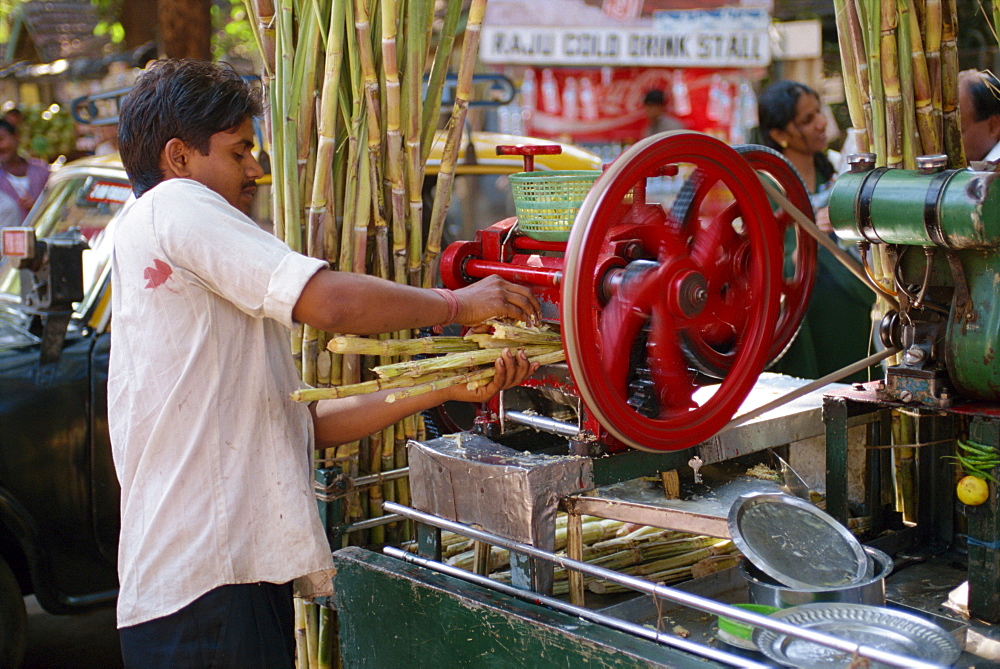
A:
x,y
546,202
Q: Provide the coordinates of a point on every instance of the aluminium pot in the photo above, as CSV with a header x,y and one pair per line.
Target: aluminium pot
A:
x,y
765,590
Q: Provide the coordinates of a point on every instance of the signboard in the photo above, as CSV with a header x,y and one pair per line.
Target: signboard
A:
x,y
734,37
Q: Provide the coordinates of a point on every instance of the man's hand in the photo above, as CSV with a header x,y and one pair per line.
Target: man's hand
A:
x,y
494,297
510,370
348,419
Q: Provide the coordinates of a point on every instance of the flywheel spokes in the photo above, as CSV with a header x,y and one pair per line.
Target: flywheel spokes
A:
x,y
637,286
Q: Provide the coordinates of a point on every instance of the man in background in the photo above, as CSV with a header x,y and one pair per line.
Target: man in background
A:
x,y
660,120
979,108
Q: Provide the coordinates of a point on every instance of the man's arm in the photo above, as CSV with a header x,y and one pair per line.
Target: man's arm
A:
x,y
345,420
349,303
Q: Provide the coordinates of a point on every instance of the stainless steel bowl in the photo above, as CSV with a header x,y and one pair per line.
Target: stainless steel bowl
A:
x,y
765,590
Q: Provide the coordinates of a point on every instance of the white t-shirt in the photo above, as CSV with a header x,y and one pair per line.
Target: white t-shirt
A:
x,y
994,154
213,457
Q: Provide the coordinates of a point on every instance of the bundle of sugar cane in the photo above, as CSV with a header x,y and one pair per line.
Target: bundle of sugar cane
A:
x,y
594,529
472,379
670,570
900,66
651,560
451,361
467,360
601,542
523,333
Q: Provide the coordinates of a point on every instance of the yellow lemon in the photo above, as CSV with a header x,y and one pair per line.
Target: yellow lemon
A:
x,y
972,490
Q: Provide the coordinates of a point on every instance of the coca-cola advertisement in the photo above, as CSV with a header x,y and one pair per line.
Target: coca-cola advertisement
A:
x,y
600,71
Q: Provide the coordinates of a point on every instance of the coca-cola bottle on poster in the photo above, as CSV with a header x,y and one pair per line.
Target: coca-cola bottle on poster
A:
x,y
588,100
550,93
679,93
528,99
570,101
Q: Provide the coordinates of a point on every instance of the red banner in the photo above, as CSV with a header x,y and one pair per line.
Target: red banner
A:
x,y
606,104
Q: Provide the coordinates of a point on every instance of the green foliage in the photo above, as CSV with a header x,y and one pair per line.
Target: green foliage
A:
x,y
47,132
232,32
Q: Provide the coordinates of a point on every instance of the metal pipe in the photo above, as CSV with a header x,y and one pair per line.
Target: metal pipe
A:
x,y
685,598
525,243
374,479
832,377
543,423
536,276
577,611
371,522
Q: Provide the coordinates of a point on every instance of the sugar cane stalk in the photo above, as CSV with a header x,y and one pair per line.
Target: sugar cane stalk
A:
x,y
910,138
930,140
401,347
450,361
446,172
362,23
320,209
472,379
852,62
418,19
890,85
932,43
394,141
949,86
439,70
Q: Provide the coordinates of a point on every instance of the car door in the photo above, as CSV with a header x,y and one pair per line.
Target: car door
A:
x,y
55,456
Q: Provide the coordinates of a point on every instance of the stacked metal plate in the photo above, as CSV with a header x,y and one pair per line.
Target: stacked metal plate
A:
x,y
801,546
876,627
796,543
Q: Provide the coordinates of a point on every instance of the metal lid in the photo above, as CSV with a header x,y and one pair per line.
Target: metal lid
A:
x,y
796,543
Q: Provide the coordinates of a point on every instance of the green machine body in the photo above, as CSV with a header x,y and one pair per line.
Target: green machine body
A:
x,y
948,293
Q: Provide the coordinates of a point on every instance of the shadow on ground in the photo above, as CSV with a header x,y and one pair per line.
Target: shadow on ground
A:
x,y
85,641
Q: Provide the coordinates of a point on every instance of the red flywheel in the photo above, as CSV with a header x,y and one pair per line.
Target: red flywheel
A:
x,y
710,350
639,285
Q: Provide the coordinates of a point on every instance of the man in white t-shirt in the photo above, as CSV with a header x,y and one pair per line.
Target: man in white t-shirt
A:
x,y
218,512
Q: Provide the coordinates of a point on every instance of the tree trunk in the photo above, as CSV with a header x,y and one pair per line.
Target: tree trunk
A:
x,y
186,28
139,21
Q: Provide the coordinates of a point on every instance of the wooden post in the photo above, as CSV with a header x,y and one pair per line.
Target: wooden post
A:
x,y
574,551
984,536
671,484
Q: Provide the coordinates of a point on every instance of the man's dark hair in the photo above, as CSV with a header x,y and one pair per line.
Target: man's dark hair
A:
x,y
8,126
654,97
183,98
984,91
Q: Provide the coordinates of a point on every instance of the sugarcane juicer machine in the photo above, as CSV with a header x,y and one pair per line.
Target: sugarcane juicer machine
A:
x,y
659,303
938,229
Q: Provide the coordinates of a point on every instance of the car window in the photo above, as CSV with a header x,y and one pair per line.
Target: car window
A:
x,y
71,204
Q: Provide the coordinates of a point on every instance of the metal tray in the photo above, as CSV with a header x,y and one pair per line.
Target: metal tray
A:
x,y
885,629
796,543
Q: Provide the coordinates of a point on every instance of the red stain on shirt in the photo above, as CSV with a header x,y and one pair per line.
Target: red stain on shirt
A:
x,y
157,275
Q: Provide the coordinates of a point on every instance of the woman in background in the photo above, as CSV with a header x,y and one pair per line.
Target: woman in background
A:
x,y
21,179
836,329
